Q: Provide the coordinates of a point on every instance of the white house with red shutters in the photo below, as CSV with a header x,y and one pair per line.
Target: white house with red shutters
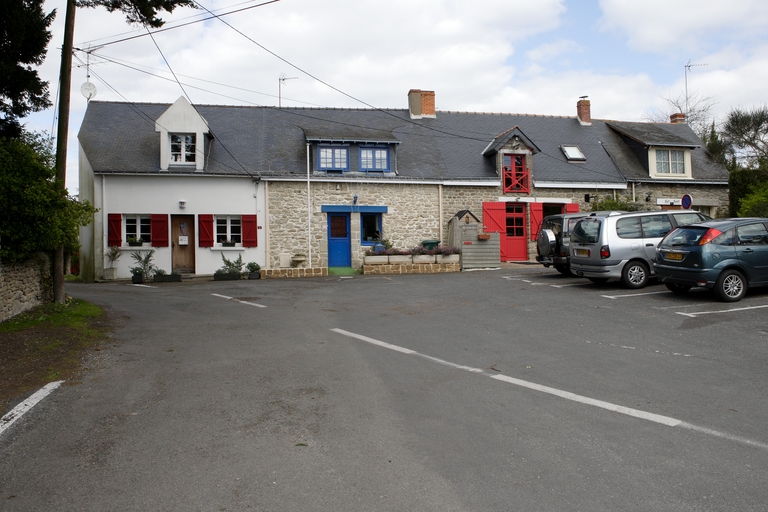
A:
x,y
195,183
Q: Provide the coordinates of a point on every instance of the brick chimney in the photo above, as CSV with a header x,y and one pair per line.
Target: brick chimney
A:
x,y
584,111
421,103
677,118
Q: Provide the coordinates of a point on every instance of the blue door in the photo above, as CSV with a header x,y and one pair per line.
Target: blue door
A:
x,y
339,242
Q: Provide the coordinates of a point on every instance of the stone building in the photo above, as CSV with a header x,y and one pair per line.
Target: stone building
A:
x,y
320,186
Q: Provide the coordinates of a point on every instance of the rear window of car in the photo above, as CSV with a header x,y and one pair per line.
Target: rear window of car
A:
x,y
555,224
688,218
587,231
682,237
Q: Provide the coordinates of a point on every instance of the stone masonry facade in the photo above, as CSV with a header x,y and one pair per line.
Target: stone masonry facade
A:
x,y
414,209
24,286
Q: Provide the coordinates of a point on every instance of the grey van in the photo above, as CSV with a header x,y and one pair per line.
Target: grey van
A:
x,y
623,246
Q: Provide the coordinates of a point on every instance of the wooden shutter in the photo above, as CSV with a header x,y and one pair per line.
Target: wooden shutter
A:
x,y
572,208
250,233
205,228
114,230
494,218
537,215
159,223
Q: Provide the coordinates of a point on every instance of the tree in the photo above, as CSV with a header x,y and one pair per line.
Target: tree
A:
x,y
747,132
756,203
697,110
143,12
719,149
24,38
742,182
35,214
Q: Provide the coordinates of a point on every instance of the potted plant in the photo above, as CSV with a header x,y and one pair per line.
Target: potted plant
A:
x,y
113,254
134,242
298,259
423,255
483,236
254,270
162,277
375,257
137,275
399,257
447,254
144,266
231,270
228,243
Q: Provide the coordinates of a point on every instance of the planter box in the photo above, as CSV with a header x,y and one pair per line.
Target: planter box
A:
x,y
483,236
423,258
451,258
376,260
167,278
110,274
400,260
254,275
135,244
137,279
227,244
227,277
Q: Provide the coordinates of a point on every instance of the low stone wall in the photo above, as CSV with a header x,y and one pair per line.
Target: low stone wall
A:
x,y
411,268
24,286
278,273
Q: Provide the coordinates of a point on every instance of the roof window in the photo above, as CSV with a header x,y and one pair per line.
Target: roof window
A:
x,y
573,153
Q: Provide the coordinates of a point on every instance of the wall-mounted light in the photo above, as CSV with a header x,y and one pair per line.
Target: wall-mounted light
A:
x,y
182,204
354,199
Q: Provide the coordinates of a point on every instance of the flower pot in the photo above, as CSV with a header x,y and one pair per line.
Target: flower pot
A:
x,y
137,278
254,275
448,258
135,244
376,260
110,273
483,236
228,276
400,259
423,258
227,244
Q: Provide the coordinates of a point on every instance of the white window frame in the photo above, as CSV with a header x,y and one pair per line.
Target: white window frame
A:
x,y
185,155
661,163
143,227
374,158
333,158
232,228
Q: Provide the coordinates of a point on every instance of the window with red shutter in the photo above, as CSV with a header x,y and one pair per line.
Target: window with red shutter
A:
x,y
115,229
205,228
250,233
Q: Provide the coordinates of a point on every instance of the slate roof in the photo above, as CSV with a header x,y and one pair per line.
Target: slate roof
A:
x,y
120,137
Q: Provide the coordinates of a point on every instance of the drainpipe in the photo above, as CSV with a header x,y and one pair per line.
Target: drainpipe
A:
x,y
266,225
633,192
440,210
104,224
309,214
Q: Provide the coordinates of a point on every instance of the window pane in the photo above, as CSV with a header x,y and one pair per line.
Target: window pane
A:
x,y
131,228
366,158
189,148
221,229
235,229
145,229
656,226
677,162
752,234
628,228
338,227
370,226
662,161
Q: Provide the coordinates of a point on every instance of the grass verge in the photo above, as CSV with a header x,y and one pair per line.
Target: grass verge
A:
x,y
48,343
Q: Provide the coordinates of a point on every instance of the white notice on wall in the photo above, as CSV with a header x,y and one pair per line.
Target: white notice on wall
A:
x,y
183,240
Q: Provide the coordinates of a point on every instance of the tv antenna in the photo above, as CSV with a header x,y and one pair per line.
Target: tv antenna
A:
x,y
687,69
280,82
88,89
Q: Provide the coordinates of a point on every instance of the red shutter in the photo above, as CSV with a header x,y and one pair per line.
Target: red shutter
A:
x,y
250,233
572,208
537,215
205,228
114,229
494,217
159,223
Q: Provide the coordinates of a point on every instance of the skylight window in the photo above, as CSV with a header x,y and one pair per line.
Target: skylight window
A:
x,y
573,153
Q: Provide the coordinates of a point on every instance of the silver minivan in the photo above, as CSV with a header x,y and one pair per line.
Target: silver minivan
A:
x,y
623,246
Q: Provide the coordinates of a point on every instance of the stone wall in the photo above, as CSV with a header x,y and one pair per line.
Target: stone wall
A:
x,y
24,286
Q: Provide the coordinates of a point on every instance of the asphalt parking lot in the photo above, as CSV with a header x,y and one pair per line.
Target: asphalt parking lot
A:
x,y
513,389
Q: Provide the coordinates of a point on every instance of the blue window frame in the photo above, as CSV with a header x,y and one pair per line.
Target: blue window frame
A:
x,y
370,228
374,158
333,158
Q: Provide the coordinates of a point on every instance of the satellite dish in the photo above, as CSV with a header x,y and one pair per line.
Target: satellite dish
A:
x,y
88,90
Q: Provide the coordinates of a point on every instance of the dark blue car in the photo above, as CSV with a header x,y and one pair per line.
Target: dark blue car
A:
x,y
724,255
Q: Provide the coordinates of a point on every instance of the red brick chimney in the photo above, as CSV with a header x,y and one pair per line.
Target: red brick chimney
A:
x,y
677,118
584,111
421,103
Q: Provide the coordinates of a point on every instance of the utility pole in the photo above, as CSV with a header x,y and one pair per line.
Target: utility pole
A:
x,y
65,80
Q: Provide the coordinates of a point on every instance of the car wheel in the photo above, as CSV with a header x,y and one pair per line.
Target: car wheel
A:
x,y
635,274
731,286
598,280
564,269
677,288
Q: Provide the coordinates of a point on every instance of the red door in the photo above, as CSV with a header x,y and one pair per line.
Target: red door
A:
x,y
509,220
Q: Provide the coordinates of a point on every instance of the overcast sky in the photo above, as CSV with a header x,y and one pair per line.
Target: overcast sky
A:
x,y
528,57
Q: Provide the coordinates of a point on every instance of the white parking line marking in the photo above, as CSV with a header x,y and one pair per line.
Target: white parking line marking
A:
x,y
636,413
17,412
240,301
694,315
632,295
567,285
142,285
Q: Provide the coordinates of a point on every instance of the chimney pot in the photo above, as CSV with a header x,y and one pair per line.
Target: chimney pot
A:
x,y
584,112
421,103
677,118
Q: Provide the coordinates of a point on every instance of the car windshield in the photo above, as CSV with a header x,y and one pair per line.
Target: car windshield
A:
x,y
685,236
586,231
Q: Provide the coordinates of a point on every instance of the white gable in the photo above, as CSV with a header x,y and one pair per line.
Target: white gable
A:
x,y
181,117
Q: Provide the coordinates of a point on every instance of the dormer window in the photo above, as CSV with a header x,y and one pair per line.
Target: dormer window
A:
x,y
573,154
183,148
515,175
669,163
333,158
374,159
